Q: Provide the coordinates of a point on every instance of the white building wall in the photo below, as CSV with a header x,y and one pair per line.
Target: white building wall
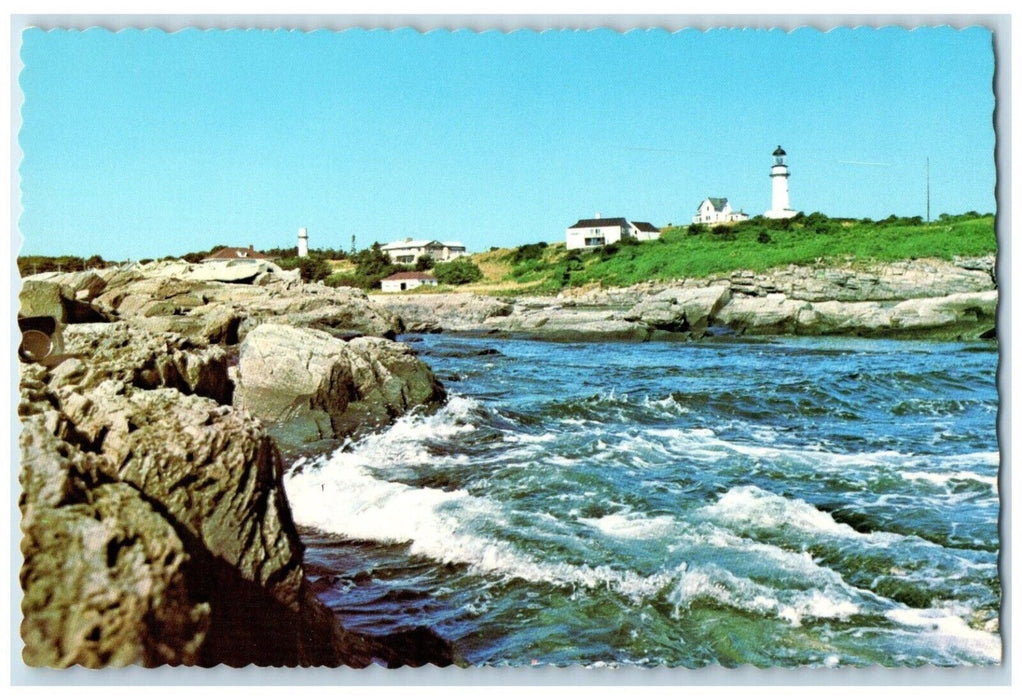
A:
x,y
646,235
404,285
576,237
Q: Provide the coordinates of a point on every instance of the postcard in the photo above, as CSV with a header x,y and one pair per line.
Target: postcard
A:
x,y
577,348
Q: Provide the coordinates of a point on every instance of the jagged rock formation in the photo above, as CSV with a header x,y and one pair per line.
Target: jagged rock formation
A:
x,y
681,310
223,312
155,525
308,385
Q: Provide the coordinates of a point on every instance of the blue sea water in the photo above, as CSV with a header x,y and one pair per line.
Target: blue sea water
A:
x,y
776,502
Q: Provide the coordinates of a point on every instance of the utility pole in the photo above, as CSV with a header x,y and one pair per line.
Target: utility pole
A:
x,y
353,244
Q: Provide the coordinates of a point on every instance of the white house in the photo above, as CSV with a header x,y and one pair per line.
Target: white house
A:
x,y
593,233
403,281
408,251
717,210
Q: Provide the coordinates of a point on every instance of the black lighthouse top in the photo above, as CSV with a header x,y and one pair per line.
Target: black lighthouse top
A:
x,y
779,152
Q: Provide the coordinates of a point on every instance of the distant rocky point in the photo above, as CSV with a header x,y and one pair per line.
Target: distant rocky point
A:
x,y
918,299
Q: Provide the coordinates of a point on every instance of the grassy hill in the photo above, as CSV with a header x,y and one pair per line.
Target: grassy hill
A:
x,y
757,244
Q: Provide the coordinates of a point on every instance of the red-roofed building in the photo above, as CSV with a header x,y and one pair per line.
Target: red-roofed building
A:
x,y
403,281
235,253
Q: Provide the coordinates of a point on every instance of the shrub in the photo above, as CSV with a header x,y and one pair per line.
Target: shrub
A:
x,y
763,237
723,232
608,251
458,271
424,263
339,279
697,229
311,269
529,251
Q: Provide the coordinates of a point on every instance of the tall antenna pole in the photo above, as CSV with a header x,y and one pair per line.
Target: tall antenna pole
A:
x,y
353,244
927,189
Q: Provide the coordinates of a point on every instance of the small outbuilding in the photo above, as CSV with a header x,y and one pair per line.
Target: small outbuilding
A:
x,y
404,281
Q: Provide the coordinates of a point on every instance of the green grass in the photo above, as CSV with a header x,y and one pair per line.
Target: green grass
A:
x,y
805,241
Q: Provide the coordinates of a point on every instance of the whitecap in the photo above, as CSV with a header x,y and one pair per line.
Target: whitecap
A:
x,y
752,506
946,478
710,582
632,525
949,633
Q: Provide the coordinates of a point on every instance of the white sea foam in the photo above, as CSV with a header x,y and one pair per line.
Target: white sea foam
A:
x,y
529,439
632,525
751,505
791,605
703,444
343,495
666,406
947,632
946,478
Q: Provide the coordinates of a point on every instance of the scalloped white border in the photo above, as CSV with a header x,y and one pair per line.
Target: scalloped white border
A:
x,y
581,15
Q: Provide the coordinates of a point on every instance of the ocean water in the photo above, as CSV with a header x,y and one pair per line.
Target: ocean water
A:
x,y
778,502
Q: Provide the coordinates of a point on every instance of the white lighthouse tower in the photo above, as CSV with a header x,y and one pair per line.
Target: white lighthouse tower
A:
x,y
780,208
303,243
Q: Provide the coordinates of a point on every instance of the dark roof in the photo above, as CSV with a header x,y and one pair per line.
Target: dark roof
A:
x,y
718,203
780,152
409,276
591,223
645,226
236,253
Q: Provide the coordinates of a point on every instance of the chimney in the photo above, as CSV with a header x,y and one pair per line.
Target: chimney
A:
x,y
303,243
250,248
598,215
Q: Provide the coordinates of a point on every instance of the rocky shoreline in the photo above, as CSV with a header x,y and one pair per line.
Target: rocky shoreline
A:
x,y
919,299
156,529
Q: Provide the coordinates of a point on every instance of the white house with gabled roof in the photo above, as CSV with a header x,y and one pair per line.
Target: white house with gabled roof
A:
x,y
593,233
717,210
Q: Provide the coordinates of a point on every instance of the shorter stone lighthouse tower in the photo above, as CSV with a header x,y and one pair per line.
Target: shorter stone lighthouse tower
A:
x,y
780,208
303,243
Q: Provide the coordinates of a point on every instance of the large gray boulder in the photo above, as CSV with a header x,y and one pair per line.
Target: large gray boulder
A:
x,y
433,313
966,315
309,385
772,314
40,297
681,310
566,324
155,524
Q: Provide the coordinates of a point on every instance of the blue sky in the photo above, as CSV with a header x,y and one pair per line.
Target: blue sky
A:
x,y
143,144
